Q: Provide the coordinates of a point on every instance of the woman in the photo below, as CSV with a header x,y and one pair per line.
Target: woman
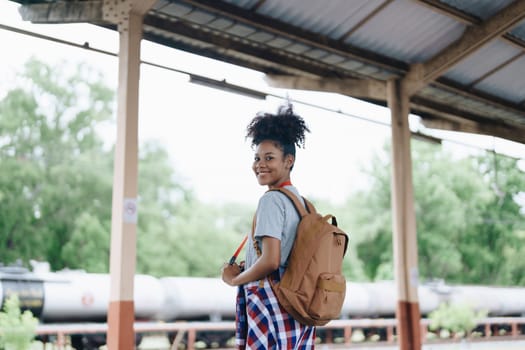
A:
x,y
261,322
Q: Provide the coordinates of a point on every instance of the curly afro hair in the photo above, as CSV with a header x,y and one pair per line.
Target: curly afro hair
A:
x,y
285,127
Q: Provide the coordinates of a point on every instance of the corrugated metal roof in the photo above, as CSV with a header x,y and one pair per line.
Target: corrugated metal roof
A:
x,y
483,61
504,82
323,17
406,32
372,41
519,31
482,9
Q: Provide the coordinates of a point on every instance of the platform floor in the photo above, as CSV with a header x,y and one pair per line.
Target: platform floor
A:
x,y
161,343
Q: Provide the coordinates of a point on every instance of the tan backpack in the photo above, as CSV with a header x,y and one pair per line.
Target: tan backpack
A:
x,y
312,288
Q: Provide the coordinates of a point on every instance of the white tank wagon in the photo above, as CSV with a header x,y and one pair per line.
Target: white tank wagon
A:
x,y
73,296
496,301
379,299
196,298
76,296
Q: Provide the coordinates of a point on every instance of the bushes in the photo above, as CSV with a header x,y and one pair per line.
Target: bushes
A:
x,y
455,319
17,329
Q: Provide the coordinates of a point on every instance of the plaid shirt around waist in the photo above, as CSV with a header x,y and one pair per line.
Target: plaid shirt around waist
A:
x,y
262,324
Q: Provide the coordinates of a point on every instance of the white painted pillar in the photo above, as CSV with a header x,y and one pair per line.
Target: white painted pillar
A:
x,y
121,311
404,221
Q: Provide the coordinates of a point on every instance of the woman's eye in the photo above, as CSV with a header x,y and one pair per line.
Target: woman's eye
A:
x,y
269,158
256,159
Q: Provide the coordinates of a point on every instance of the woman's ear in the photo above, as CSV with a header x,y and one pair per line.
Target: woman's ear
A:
x,y
289,161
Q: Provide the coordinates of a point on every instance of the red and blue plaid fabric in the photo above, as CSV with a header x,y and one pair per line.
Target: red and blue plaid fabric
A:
x,y
262,324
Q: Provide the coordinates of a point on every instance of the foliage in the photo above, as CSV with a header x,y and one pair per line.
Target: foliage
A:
x,y
56,185
198,241
468,221
17,329
455,318
53,165
494,241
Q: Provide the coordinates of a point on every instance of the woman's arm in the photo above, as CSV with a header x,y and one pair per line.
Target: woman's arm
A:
x,y
267,263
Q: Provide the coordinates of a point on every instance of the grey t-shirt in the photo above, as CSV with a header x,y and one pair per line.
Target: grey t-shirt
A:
x,y
276,217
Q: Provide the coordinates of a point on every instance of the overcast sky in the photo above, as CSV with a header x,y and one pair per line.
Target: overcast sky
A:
x,y
203,129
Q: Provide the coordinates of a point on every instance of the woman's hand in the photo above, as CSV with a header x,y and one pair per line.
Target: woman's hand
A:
x,y
229,272
236,275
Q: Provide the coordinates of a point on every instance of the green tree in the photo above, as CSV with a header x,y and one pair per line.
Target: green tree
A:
x,y
88,245
53,165
201,238
56,179
492,244
467,232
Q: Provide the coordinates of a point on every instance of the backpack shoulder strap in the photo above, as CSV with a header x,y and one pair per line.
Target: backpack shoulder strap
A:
x,y
254,241
299,207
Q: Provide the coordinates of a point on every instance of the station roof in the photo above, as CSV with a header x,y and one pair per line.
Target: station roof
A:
x,y
463,62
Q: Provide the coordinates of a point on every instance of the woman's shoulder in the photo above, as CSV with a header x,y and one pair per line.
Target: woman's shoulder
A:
x,y
270,197
278,197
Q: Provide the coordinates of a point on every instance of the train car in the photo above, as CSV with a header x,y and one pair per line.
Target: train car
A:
x,y
72,296
379,299
197,299
496,301
194,298
76,296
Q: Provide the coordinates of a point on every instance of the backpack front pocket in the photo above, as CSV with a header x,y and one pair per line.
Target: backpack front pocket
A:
x,y
329,296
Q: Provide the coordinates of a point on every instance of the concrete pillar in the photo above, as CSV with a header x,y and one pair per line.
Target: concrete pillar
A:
x,y
404,221
121,312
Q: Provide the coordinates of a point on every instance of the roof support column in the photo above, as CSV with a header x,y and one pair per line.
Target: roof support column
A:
x,y
121,311
404,220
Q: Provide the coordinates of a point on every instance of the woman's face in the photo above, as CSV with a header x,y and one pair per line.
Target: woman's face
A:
x,y
270,165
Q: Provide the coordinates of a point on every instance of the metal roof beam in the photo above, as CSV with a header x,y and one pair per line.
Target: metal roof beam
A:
x,y
216,45
474,38
290,32
496,130
478,95
359,88
451,118
63,12
89,11
466,18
